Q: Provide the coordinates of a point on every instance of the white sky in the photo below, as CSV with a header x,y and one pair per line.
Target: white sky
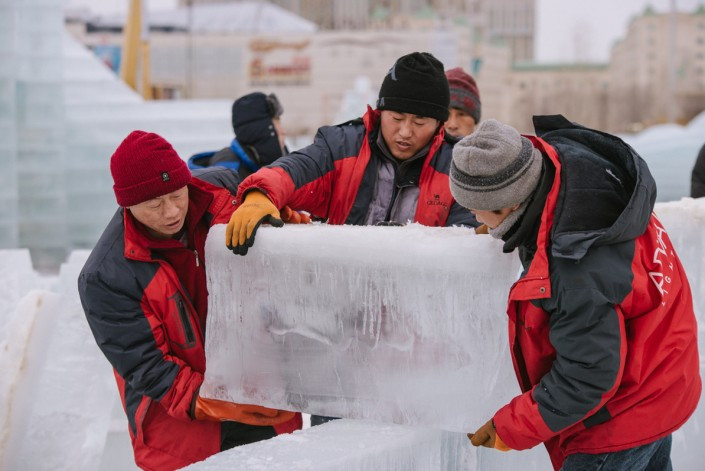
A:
x,y
567,30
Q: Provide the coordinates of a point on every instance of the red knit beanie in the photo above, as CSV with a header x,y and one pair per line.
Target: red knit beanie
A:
x,y
464,94
145,166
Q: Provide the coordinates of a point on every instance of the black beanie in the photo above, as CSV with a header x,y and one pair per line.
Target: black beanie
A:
x,y
252,122
416,84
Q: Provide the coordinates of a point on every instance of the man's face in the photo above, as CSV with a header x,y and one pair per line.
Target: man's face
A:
x,y
406,134
280,132
163,216
492,218
459,124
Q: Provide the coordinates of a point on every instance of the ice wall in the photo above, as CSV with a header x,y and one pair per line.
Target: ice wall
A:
x,y
9,234
56,388
40,127
685,223
401,324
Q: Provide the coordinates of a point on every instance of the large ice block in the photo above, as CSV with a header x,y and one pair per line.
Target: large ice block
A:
x,y
397,324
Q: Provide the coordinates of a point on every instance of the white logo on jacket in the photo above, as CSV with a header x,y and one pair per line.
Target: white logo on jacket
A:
x,y
657,277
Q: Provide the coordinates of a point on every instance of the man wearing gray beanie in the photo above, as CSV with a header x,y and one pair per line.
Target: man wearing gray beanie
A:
x,y
602,329
495,168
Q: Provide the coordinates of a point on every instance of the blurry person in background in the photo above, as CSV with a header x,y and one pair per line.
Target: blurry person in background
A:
x,y
259,136
143,290
464,111
697,181
602,331
465,106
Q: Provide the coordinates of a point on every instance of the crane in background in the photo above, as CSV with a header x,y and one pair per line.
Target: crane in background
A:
x,y
135,49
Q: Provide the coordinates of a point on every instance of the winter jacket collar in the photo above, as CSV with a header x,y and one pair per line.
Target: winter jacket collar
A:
x,y
536,283
523,234
579,146
614,207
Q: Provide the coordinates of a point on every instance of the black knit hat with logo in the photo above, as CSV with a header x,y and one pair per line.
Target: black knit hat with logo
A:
x,y
416,84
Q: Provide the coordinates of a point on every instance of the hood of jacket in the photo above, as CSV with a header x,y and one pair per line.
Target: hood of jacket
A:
x,y
253,126
607,192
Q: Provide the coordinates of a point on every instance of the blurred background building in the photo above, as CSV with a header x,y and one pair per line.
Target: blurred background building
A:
x,y
63,112
310,52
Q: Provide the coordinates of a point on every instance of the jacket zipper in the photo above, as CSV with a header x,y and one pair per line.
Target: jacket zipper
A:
x,y
190,337
140,423
195,252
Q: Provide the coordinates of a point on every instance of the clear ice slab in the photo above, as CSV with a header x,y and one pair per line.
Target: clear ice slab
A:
x,y
395,324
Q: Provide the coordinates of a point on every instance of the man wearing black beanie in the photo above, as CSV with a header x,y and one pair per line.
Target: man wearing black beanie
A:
x,y
389,167
416,84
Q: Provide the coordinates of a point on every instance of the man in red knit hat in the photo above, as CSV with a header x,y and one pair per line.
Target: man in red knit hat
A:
x,y
143,290
465,105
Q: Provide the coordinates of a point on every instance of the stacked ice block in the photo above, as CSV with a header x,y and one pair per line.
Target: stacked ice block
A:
x,y
9,234
39,119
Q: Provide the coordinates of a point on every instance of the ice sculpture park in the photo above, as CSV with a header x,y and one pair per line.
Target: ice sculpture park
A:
x,y
381,326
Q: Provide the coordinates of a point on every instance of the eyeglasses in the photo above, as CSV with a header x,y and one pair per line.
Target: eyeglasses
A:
x,y
273,106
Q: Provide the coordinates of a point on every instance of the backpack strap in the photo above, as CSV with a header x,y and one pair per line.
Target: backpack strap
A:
x,y
244,158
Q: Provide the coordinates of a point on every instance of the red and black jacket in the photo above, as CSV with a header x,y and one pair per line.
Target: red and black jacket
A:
x,y
144,320
334,177
601,323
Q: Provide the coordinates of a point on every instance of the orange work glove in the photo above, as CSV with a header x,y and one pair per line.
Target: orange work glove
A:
x,y
290,216
214,409
487,436
254,210
482,229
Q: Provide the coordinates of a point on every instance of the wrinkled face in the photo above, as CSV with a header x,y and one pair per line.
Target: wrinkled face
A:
x,y
163,216
459,124
280,132
492,218
406,134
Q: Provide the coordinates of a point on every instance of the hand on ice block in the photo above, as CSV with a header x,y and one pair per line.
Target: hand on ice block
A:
x,y
254,210
487,436
214,409
290,216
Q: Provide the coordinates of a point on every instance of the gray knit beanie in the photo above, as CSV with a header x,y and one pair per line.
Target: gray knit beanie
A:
x,y
494,168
